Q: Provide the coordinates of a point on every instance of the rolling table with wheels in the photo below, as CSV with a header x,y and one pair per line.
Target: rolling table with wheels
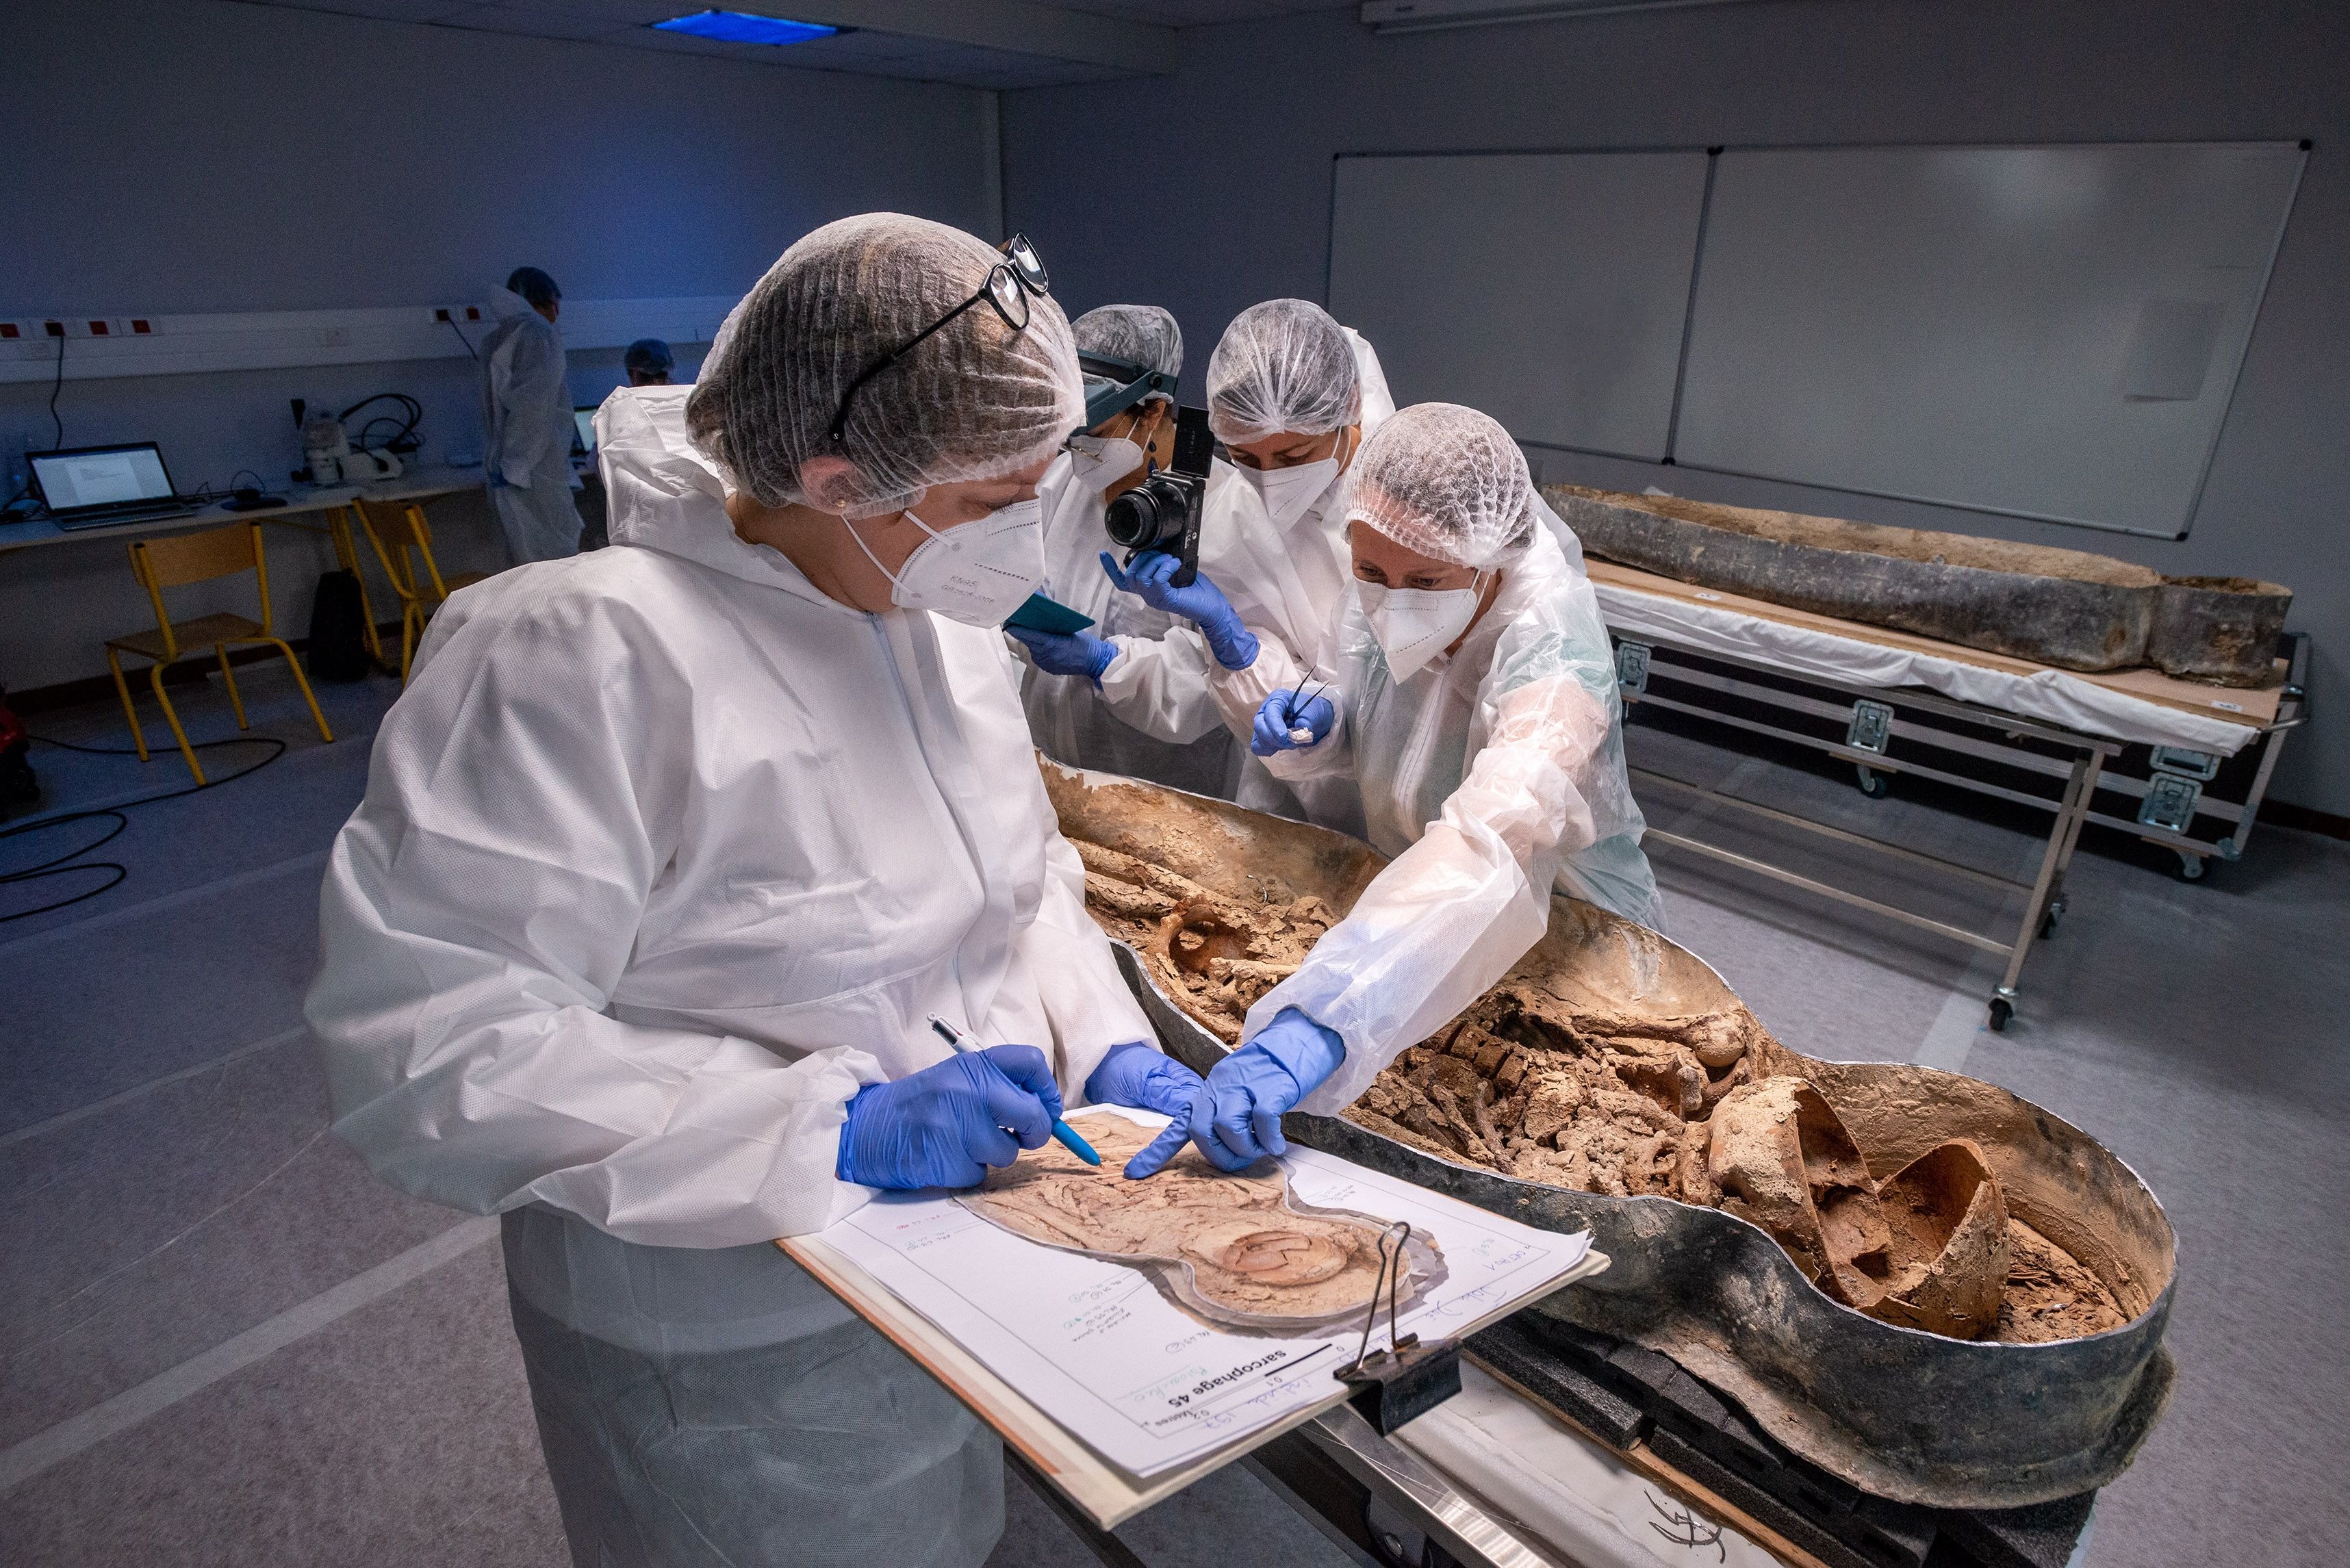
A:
x,y
1892,702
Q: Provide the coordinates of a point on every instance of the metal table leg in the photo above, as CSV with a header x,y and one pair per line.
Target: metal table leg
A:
x,y
1418,1495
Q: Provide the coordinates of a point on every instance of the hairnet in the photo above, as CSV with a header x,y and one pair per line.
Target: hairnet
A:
x,y
1143,334
1281,366
1447,482
649,357
974,401
534,285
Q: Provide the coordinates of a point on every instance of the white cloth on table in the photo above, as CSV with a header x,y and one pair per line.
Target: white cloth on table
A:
x,y
2055,696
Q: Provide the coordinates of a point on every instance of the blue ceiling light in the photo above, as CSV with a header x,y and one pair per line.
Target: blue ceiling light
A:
x,y
741,27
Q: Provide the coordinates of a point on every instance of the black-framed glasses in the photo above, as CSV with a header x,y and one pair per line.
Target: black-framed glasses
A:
x,y
1008,286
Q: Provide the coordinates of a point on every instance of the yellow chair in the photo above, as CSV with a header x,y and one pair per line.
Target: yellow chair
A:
x,y
160,564
395,528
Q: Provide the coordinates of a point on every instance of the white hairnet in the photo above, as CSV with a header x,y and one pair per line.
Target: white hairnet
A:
x,y
1447,482
974,401
1281,366
1142,333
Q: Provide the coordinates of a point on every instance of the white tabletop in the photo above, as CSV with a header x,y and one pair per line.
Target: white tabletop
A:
x,y
422,484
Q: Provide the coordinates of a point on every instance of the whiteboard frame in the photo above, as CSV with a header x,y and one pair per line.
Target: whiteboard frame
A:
x,y
1697,273
1712,153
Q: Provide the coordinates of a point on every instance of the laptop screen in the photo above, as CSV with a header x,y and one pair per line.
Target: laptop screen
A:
x,y
585,418
103,476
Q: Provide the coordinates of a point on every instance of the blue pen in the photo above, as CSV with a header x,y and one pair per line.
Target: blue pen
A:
x,y
1061,1129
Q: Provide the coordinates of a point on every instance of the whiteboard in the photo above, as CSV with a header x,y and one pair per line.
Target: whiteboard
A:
x,y
1548,289
2043,332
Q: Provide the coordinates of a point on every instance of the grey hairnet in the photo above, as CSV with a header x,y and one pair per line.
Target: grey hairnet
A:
x,y
649,357
974,401
1447,482
535,286
1142,333
1281,366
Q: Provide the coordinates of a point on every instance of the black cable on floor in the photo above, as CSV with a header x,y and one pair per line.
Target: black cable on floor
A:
x,y
69,863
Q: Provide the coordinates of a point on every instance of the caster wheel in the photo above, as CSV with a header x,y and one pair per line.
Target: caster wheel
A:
x,y
2002,1010
2191,867
1876,787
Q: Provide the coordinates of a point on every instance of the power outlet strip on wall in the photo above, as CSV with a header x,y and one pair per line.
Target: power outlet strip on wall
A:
x,y
98,346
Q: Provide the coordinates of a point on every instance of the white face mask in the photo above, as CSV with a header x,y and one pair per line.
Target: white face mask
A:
x,y
1414,625
977,573
1096,463
1289,493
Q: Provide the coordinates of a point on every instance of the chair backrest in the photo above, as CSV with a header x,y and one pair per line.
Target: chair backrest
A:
x,y
388,532
402,525
198,557
160,564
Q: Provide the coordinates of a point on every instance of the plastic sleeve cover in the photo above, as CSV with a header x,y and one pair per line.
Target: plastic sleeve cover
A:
x,y
1159,685
478,909
1448,916
1239,693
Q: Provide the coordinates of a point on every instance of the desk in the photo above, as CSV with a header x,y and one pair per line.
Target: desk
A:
x,y
332,502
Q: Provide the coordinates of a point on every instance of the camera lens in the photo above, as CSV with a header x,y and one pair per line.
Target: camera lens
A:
x,y
1150,514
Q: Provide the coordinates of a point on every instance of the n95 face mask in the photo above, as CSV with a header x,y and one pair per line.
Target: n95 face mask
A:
x,y
1096,463
1289,493
977,573
1414,625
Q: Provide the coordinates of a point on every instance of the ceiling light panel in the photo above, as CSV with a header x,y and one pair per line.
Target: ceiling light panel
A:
x,y
742,28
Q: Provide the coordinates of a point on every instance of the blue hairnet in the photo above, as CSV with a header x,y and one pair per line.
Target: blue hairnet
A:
x,y
646,357
534,285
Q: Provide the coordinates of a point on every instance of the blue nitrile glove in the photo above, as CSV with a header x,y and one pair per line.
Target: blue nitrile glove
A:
x,y
945,1124
1144,1077
1282,712
1202,604
1074,653
1235,1114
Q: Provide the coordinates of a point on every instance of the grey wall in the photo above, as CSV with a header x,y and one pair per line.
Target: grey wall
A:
x,y
197,155
1232,205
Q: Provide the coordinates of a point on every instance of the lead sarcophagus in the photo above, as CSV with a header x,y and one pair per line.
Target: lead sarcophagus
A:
x,y
2067,607
1799,1301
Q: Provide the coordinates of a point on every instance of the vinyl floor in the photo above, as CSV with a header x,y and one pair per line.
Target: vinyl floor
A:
x,y
222,1342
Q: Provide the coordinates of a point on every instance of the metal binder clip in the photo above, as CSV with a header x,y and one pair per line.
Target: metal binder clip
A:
x,y
1408,1378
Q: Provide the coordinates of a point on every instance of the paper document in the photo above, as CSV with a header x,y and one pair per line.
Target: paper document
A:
x,y
1095,1347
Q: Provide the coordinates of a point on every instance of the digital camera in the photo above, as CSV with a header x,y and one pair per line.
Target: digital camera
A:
x,y
1162,512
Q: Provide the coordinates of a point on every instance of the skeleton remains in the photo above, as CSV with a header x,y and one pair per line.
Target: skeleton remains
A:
x,y
1684,1107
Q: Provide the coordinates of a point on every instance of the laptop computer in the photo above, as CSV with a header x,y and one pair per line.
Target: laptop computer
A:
x,y
101,486
583,420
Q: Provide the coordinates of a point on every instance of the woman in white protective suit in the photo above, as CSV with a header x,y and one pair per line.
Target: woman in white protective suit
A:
x,y
1476,721
1092,701
526,413
667,853
1291,394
